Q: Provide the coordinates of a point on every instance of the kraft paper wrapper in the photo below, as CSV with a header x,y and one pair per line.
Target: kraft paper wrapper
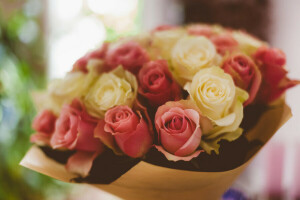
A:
x,y
147,181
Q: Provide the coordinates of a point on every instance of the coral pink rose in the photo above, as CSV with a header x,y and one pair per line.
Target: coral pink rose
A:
x,y
275,81
200,30
245,74
179,132
130,55
74,129
224,43
270,56
157,84
81,64
124,130
43,124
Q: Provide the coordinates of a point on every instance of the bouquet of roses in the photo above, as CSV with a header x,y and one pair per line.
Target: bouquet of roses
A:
x,y
179,108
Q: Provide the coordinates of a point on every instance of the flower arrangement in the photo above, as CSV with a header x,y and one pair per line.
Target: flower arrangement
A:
x,y
178,97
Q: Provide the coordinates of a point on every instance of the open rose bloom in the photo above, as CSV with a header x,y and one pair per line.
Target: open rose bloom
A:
x,y
176,114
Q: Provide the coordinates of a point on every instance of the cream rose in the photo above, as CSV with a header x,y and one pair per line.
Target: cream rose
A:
x,y
63,91
247,43
163,41
118,87
220,100
189,55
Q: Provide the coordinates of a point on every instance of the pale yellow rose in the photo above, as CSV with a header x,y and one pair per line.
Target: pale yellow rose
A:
x,y
63,91
163,42
118,87
189,55
221,101
247,43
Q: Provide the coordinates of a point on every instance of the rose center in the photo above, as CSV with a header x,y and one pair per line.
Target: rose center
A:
x,y
243,66
66,124
176,123
120,116
154,79
124,51
213,90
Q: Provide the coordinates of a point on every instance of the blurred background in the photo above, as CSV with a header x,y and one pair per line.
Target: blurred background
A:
x,y
41,39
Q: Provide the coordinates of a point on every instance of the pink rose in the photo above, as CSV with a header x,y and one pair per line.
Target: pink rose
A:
x,y
43,124
81,64
245,74
74,129
270,56
124,130
157,84
200,30
164,28
179,131
130,55
275,81
224,43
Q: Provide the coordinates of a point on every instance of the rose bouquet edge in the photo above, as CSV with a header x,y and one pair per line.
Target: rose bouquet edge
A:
x,y
141,180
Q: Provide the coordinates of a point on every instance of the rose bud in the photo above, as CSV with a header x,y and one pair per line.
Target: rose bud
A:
x,y
179,131
156,83
245,74
43,124
224,43
74,129
200,30
124,130
275,81
130,55
81,64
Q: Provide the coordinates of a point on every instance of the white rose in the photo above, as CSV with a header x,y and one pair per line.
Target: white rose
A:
x,y
118,87
247,43
163,42
220,100
62,91
189,55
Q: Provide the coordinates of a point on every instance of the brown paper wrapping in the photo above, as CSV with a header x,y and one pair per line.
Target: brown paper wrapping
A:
x,y
147,181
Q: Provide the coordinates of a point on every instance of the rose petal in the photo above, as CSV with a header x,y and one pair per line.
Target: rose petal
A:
x,y
157,99
200,30
191,145
138,142
81,162
225,121
172,157
224,43
86,140
40,139
130,55
173,143
70,138
105,137
164,28
125,125
238,111
138,106
44,122
164,89
193,142
256,82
